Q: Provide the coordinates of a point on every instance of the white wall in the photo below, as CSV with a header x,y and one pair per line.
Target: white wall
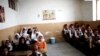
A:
x,y
28,11
10,16
86,10
66,10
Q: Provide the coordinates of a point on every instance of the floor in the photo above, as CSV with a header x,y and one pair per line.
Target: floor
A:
x,y
63,49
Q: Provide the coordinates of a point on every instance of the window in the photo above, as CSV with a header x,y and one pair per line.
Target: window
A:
x,y
98,9
12,4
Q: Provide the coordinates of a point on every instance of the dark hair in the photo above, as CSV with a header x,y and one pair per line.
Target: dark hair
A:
x,y
87,26
71,25
20,40
98,26
65,25
3,42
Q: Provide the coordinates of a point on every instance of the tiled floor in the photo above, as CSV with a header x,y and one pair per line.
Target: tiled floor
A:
x,y
63,49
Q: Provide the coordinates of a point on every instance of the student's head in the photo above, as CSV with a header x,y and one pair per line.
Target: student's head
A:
x,y
7,42
24,29
65,26
22,40
37,34
95,32
3,42
83,25
75,24
40,38
5,51
29,30
98,26
71,26
16,37
88,27
35,31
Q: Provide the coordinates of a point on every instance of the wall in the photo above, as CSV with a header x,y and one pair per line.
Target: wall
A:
x,y
8,28
10,16
8,32
29,14
64,9
86,10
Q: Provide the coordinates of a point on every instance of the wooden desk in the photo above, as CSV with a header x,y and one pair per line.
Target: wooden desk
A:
x,y
21,53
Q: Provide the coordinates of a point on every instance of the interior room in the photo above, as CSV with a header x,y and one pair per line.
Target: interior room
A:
x,y
50,21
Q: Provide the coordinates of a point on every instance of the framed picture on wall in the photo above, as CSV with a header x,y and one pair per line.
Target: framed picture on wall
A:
x,y
48,14
2,14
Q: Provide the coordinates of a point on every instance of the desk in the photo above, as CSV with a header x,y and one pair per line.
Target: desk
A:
x,y
21,53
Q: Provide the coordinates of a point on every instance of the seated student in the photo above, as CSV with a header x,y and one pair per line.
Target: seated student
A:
x,y
88,35
65,32
29,32
96,42
83,31
38,33
9,45
23,33
34,48
75,25
5,52
79,32
34,28
42,47
28,40
96,38
22,46
15,42
98,28
88,32
33,36
16,39
72,31
3,44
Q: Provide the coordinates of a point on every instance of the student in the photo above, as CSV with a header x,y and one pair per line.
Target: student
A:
x,y
79,31
65,32
34,48
3,44
16,39
88,32
9,45
5,52
16,42
29,32
96,39
98,28
42,47
22,44
34,28
33,36
28,40
88,36
83,31
24,33
72,31
38,34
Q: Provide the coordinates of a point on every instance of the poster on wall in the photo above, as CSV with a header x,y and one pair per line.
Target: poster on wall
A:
x,y
48,14
2,14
